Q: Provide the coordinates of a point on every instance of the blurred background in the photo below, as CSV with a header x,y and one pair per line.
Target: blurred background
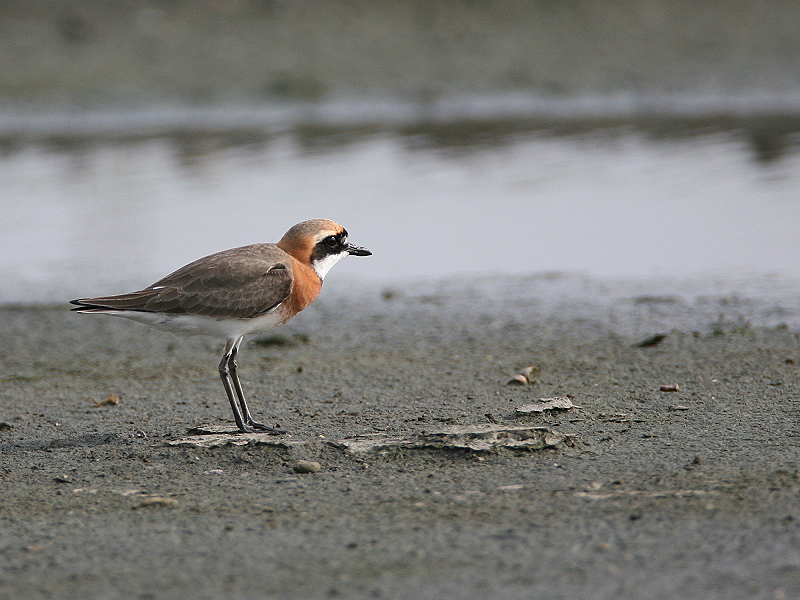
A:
x,y
628,139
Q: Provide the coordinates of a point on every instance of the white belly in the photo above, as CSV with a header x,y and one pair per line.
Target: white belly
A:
x,y
199,325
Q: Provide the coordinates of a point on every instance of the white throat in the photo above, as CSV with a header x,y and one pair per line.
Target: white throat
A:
x,y
324,265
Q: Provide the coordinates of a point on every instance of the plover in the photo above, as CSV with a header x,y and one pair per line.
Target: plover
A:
x,y
237,292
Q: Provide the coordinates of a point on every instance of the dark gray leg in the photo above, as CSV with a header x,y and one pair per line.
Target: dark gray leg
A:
x,y
233,374
225,375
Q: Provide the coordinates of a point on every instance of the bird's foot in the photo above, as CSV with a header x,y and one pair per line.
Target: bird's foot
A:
x,y
256,427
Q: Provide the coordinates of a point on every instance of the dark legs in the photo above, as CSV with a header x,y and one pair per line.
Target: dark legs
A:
x,y
230,379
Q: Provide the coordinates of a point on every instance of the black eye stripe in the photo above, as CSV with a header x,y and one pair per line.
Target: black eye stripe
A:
x,y
333,242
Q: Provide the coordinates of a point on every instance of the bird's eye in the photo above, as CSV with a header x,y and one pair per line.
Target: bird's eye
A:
x,y
331,241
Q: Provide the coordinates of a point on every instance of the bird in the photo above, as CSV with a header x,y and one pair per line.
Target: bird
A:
x,y
236,292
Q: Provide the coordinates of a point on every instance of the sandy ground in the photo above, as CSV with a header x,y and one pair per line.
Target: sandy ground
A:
x,y
690,494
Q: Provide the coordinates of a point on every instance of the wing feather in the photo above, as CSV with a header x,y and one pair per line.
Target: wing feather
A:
x,y
240,283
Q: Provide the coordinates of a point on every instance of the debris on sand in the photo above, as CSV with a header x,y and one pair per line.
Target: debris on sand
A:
x,y
214,436
518,379
560,403
525,377
478,438
651,341
672,387
485,437
112,400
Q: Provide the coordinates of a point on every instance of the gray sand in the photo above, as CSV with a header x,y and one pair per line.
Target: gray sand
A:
x,y
690,494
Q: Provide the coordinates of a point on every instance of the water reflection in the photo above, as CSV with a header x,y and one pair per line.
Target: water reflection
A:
x,y
770,137
91,214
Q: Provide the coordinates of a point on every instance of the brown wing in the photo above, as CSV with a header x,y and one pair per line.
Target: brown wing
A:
x,y
239,283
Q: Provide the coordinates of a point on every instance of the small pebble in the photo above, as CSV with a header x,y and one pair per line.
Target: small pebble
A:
x,y
673,387
307,466
159,501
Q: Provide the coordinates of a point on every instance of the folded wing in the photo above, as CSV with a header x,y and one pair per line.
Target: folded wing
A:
x,y
240,283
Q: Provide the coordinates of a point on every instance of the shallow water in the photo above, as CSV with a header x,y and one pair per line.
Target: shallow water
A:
x,y
87,216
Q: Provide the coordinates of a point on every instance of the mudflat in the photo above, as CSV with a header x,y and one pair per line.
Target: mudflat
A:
x,y
110,489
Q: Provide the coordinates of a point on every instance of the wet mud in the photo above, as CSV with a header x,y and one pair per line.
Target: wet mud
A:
x,y
638,492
